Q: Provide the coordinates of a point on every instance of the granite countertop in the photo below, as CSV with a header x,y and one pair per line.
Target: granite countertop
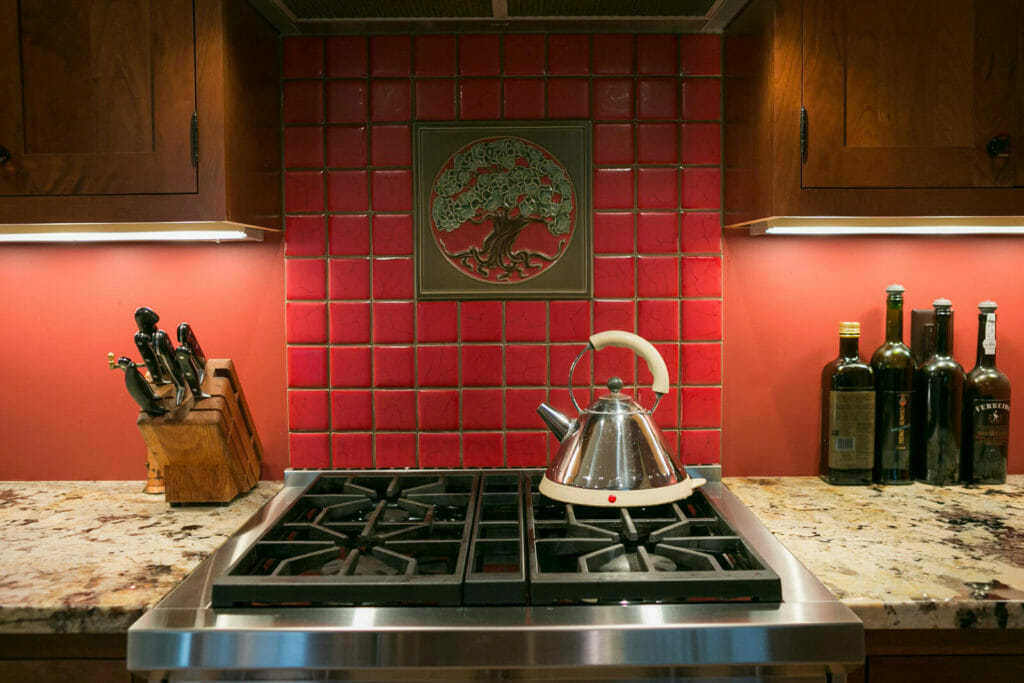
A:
x,y
92,556
904,556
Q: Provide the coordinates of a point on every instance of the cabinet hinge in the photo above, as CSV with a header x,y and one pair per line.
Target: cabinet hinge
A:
x,y
195,138
803,134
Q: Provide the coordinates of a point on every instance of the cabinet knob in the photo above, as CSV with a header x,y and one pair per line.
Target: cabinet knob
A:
x,y
999,146
5,156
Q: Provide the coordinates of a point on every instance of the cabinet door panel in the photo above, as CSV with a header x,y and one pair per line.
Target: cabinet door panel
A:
x,y
908,94
105,91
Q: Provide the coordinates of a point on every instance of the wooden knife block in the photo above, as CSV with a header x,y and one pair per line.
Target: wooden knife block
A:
x,y
209,451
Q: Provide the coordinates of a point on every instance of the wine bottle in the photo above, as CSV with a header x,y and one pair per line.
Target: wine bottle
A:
x,y
938,388
986,418
847,413
893,366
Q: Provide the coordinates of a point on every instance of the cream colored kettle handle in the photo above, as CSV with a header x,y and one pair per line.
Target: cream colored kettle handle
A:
x,y
642,348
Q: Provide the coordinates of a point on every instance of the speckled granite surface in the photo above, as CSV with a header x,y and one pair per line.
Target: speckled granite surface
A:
x,y
903,556
92,556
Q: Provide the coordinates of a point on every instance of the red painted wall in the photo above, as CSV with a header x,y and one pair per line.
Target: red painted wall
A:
x,y
784,299
63,413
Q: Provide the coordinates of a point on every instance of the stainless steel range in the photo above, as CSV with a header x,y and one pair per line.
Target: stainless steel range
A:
x,y
469,575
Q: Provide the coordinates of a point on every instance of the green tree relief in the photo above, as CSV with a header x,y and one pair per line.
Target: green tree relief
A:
x,y
512,184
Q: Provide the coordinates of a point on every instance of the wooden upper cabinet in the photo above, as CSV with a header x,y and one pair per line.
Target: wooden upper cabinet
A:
x,y
910,93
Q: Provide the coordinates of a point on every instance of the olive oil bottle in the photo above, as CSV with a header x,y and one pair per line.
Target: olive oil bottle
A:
x,y
938,388
986,409
893,366
847,413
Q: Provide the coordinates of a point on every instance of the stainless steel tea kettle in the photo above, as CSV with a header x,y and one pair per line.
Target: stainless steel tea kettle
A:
x,y
613,455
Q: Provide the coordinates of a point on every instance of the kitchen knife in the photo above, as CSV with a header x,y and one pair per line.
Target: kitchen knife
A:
x,y
188,365
144,343
187,336
146,319
139,388
165,355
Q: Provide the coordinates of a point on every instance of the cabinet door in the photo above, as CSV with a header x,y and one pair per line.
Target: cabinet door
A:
x,y
909,93
99,96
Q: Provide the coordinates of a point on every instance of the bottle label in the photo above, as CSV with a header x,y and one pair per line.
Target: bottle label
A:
x,y
989,342
852,439
893,426
990,440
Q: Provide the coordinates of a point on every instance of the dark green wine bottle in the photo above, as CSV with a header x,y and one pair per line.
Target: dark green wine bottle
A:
x,y
893,366
986,419
938,387
847,413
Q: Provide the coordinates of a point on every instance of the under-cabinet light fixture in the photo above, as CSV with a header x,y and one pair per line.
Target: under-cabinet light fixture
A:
x,y
886,225
187,231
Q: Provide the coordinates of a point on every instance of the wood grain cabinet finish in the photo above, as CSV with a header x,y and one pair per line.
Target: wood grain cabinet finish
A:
x,y
99,101
870,107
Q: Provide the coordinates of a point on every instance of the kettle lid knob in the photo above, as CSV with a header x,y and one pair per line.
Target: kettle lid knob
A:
x,y
615,385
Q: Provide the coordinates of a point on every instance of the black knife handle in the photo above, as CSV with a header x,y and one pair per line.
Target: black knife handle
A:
x,y
146,319
144,343
165,354
187,336
187,364
139,388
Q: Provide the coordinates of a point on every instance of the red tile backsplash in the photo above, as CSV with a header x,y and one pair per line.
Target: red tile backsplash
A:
x,y
378,379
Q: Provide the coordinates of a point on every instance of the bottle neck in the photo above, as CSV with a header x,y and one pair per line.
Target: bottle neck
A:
x,y
943,344
848,347
894,320
986,340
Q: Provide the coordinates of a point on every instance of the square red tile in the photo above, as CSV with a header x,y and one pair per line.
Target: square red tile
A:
x,y
346,57
524,98
346,146
481,321
702,320
658,276
700,55
391,190
656,54
307,366
304,235
303,101
613,188
658,320
390,55
392,278
392,234
393,322
349,234
482,409
393,366
306,322
559,400
613,99
521,408
394,410
346,101
527,449
352,451
701,363
303,146
611,362
669,352
348,191
702,232
390,100
351,410
613,233
702,406
700,446
613,315
701,143
394,450
437,321
658,143
702,99
481,365
349,279
350,322
524,54
483,450
569,54
657,98
562,356
526,321
667,414
570,321
308,411
657,188
438,409
613,143
526,365
303,191
479,55
437,366
391,145
657,232
480,98
435,100
702,188
440,450
350,366
613,277
613,54
305,279
302,57
309,450
702,276
435,55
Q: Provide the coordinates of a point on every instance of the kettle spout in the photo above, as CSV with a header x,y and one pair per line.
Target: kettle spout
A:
x,y
558,423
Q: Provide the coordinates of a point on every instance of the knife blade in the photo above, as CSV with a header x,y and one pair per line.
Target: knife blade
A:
x,y
165,355
189,367
139,388
187,336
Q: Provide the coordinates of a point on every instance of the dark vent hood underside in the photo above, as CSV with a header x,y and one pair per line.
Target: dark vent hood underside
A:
x,y
315,17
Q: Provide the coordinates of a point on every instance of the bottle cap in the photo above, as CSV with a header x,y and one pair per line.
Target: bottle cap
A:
x,y
942,304
895,289
849,329
988,306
